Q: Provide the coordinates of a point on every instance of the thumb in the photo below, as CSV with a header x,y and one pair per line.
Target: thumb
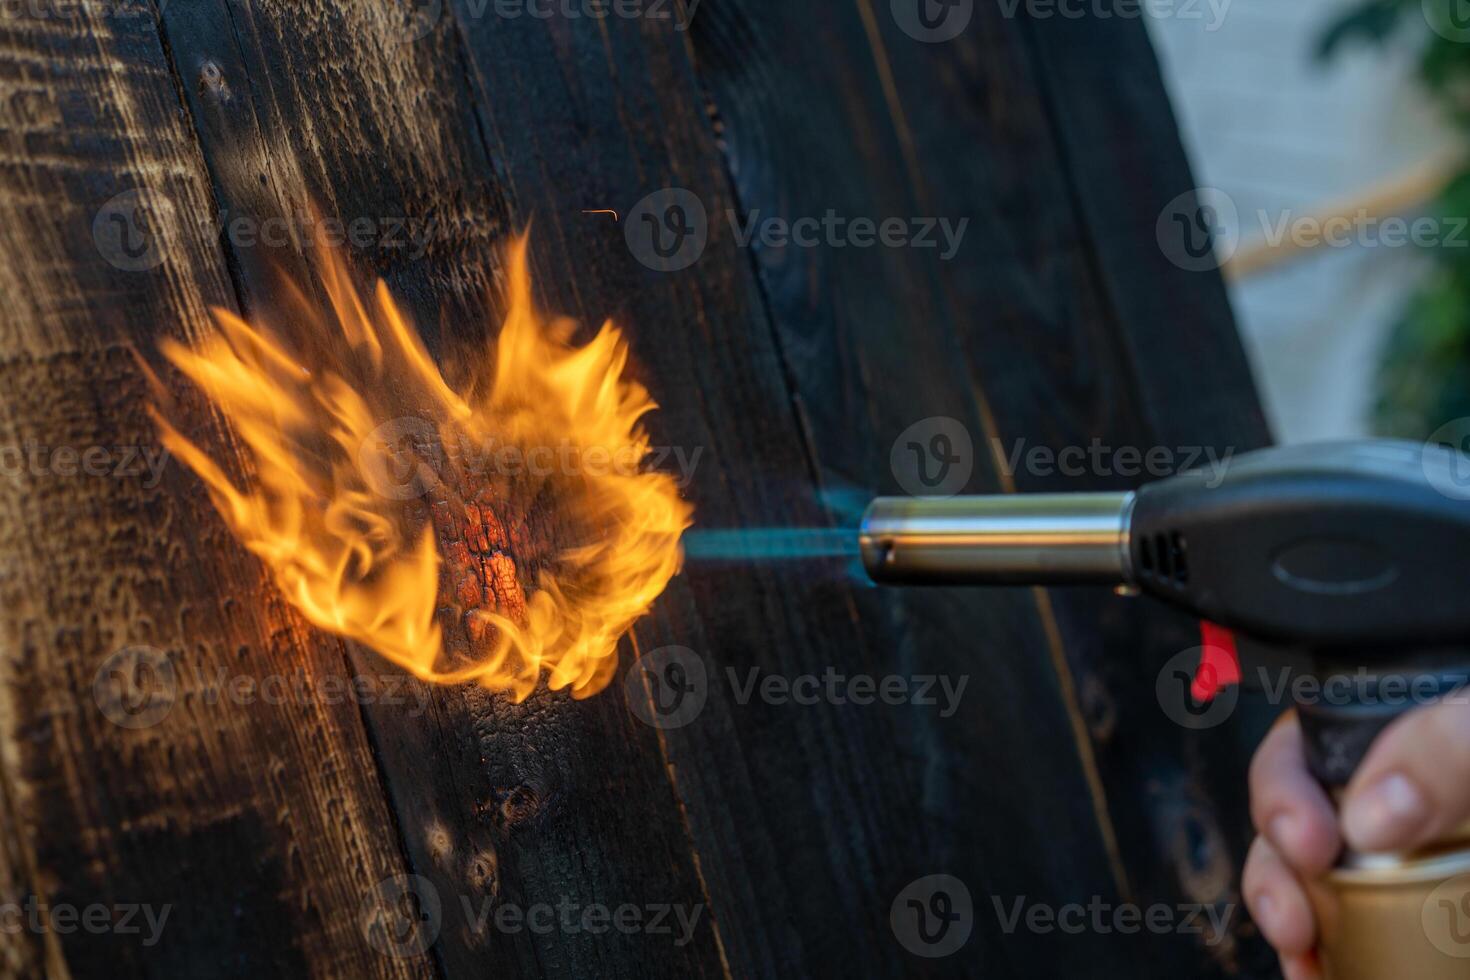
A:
x,y
1414,785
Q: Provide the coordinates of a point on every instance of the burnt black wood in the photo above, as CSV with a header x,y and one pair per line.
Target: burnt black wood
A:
x,y
498,804
1045,336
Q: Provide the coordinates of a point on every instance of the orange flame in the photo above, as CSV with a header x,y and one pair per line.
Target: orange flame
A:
x,y
494,537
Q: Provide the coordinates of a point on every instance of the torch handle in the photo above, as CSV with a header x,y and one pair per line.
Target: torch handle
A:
x,y
1344,712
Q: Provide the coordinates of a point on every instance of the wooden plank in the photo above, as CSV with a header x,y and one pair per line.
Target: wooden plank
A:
x,y
1115,126
1118,144
808,820
130,778
868,348
544,804
956,130
1107,305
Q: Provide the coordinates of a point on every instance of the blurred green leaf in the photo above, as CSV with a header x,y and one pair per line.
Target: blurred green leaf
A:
x,y
1424,375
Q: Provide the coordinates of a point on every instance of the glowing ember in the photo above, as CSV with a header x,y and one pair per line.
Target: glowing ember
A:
x,y
492,537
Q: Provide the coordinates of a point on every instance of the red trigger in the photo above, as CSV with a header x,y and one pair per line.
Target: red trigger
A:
x,y
1219,663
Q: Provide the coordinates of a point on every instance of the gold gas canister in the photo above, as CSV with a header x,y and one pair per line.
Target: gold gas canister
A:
x,y
1384,917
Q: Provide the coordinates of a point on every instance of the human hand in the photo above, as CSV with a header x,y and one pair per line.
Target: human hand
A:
x,y
1413,787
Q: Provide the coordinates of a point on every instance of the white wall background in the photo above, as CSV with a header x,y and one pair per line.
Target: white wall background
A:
x,y
1275,129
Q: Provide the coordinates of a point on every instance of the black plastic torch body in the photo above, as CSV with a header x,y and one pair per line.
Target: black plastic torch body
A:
x,y
1349,558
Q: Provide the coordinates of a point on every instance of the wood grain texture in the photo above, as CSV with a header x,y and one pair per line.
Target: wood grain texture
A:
x,y
260,828
499,805
1054,348
788,828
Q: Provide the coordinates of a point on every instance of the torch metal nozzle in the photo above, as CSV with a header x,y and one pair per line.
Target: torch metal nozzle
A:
x,y
1011,539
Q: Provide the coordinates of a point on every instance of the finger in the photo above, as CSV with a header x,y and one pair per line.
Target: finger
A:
x,y
1415,783
1277,901
1288,805
1300,967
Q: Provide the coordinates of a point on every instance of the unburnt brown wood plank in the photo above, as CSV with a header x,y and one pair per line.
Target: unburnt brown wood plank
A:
x,y
135,778
552,802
